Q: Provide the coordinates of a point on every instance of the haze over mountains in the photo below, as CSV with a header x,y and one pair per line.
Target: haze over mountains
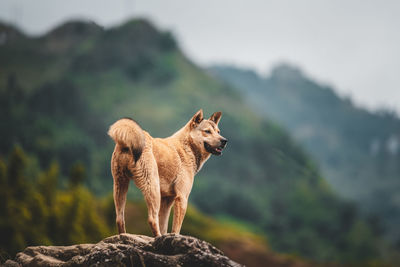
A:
x,y
357,150
60,92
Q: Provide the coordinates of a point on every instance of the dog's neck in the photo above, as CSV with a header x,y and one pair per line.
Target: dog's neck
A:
x,y
198,158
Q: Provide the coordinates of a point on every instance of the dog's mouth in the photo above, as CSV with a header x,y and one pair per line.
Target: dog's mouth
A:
x,y
214,150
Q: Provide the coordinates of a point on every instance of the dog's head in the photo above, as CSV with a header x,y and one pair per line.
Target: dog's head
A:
x,y
205,133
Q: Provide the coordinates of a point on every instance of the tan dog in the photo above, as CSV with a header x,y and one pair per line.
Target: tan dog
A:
x,y
163,169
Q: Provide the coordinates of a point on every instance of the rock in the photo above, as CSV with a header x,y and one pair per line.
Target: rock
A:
x,y
127,250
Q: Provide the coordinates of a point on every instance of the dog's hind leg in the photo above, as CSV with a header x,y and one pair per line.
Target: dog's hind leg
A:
x,y
121,185
148,182
120,190
165,209
152,197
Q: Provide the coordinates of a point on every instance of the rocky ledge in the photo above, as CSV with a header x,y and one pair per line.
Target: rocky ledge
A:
x,y
127,250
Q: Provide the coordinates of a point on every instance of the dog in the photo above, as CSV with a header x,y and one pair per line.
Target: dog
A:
x,y
162,168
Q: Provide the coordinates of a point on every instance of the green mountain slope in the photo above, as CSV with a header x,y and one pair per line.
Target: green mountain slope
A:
x,y
34,211
358,150
60,92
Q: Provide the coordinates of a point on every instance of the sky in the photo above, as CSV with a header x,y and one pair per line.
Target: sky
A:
x,y
352,45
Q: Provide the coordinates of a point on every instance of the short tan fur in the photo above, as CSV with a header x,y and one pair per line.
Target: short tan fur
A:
x,y
162,168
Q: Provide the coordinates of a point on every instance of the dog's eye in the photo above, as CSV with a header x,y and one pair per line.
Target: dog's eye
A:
x,y
207,131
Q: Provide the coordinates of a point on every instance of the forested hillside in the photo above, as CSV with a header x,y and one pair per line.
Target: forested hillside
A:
x,y
358,150
60,92
36,210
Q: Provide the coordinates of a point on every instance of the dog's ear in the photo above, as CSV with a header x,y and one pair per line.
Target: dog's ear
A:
x,y
197,118
216,117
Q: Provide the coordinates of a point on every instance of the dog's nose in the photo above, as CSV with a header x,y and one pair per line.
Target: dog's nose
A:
x,y
224,141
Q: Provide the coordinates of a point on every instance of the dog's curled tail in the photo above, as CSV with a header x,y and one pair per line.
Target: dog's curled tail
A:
x,y
128,135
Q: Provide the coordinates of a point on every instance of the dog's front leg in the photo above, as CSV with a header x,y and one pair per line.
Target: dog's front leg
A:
x,y
165,209
179,213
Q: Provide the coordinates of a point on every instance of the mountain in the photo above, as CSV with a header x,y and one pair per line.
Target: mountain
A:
x,y
34,210
60,92
357,150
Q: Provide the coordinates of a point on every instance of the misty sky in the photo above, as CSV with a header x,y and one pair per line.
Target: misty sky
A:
x,y
351,45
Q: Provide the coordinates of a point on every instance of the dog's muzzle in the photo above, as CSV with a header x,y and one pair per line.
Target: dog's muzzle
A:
x,y
216,150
